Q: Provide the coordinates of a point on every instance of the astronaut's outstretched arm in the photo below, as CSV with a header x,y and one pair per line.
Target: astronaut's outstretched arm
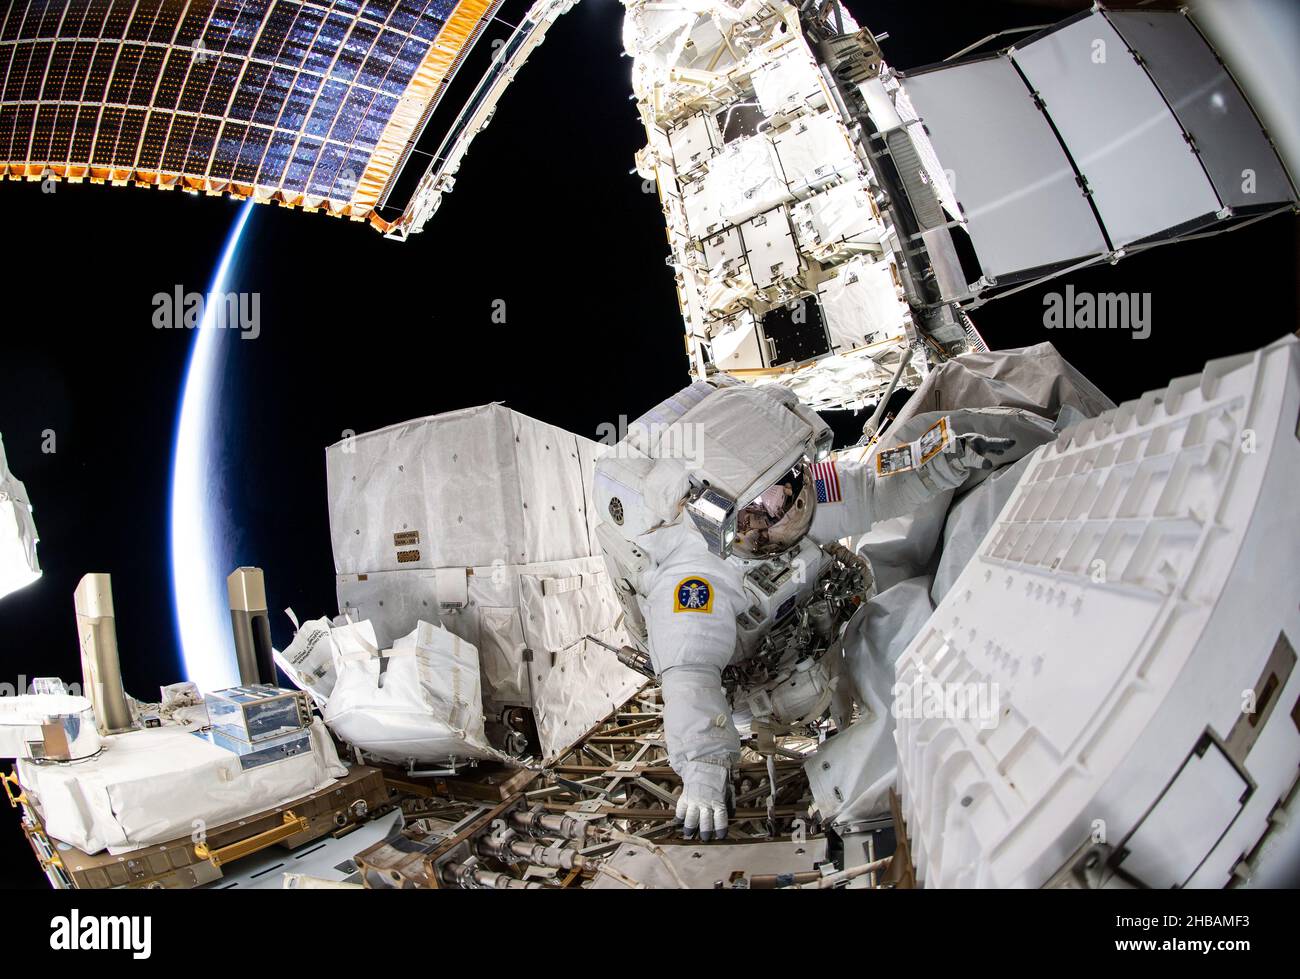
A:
x,y
854,495
692,625
702,747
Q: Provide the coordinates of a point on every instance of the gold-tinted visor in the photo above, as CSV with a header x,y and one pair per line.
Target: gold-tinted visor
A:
x,y
779,518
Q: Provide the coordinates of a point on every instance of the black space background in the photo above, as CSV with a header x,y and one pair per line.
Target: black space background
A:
x,y
360,332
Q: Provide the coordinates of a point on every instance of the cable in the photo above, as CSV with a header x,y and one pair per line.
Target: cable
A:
x,y
830,880
645,844
621,877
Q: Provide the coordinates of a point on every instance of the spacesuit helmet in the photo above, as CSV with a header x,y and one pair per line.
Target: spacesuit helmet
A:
x,y
709,452
779,517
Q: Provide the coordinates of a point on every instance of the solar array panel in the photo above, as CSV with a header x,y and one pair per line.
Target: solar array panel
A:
x,y
1111,131
310,103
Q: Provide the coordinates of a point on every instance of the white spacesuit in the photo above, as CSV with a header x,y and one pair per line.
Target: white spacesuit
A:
x,y
706,504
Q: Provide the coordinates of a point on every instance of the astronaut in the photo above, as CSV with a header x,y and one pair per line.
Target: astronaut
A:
x,y
704,490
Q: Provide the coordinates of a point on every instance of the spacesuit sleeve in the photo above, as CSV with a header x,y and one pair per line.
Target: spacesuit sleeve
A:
x,y
691,613
851,497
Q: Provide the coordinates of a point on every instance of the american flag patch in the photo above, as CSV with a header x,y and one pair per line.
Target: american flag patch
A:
x,y
828,482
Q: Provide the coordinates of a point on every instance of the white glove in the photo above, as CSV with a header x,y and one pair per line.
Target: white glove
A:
x,y
702,805
974,451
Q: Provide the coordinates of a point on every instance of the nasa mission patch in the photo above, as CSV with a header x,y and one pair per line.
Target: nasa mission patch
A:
x,y
694,594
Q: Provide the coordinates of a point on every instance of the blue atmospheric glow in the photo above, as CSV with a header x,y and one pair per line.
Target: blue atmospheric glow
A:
x,y
200,537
